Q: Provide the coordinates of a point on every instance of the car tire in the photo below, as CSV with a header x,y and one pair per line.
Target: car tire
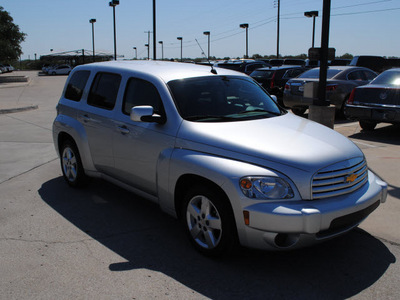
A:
x,y
367,125
54,73
71,165
298,111
208,221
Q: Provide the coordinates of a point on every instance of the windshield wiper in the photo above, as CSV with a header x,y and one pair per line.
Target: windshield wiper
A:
x,y
259,110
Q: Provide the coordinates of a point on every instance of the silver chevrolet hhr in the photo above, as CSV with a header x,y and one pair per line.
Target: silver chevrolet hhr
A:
x,y
213,149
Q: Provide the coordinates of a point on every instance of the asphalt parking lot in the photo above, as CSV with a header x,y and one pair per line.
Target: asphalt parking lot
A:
x,y
102,242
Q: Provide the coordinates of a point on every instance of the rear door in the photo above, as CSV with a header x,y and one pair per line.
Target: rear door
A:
x,y
97,116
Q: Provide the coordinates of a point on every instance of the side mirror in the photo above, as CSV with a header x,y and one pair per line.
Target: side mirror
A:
x,y
145,114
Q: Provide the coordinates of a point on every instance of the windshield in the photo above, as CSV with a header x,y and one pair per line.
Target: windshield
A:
x,y
221,99
388,77
314,73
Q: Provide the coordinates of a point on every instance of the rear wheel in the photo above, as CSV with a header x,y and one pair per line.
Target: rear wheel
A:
x,y
208,220
367,125
71,165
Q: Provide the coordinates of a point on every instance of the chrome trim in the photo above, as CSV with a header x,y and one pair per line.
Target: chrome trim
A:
x,y
333,180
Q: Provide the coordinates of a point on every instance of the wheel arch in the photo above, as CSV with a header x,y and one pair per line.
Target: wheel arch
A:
x,y
189,180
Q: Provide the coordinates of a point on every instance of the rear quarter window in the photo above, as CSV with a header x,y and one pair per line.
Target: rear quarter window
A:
x,y
76,85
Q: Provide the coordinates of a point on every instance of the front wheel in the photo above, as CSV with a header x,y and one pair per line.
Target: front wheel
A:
x,y
209,221
71,165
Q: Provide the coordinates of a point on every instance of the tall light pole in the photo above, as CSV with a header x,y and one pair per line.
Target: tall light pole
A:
x,y
92,21
134,48
154,30
277,29
148,51
180,39
207,33
162,49
312,14
113,4
246,26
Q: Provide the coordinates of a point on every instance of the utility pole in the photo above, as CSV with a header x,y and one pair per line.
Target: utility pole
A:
x,y
154,30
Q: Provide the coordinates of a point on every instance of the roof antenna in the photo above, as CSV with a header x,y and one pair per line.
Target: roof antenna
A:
x,y
202,52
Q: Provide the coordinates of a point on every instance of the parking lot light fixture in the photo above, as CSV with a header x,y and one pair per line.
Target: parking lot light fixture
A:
x,y
180,39
92,21
246,26
162,49
207,33
312,14
113,4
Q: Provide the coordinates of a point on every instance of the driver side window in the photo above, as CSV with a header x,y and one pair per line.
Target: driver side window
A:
x,y
141,92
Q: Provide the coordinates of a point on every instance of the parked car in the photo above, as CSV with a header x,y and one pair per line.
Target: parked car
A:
x,y
340,62
294,62
375,63
9,67
276,62
59,70
376,102
340,82
3,69
274,79
243,66
212,148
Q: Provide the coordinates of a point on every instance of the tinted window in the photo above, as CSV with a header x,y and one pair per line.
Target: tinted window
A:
x,y
140,92
356,75
221,98
254,66
293,73
369,75
76,85
104,90
314,73
262,74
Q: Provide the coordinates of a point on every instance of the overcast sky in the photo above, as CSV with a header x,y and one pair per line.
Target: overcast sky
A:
x,y
357,26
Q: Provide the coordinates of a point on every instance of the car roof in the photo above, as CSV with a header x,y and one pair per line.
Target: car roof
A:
x,y
164,70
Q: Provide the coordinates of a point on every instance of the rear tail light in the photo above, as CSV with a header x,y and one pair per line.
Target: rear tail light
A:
x,y
272,81
287,86
331,87
351,97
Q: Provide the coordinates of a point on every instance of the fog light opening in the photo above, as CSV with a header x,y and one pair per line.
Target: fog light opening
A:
x,y
284,240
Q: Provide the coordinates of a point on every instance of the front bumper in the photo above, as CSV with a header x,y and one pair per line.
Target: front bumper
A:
x,y
378,114
295,224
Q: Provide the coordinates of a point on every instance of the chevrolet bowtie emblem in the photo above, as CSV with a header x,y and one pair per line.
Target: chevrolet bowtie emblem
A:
x,y
351,178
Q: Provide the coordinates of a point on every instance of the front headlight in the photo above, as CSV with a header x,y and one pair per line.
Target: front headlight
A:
x,y
266,188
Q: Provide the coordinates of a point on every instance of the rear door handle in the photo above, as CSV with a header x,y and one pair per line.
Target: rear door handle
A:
x,y
123,129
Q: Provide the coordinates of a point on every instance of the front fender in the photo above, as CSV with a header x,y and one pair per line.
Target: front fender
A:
x,y
222,171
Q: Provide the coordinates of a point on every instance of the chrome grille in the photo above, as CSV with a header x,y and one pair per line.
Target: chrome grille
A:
x,y
339,179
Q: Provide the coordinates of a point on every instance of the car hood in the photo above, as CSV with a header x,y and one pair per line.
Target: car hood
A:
x,y
287,139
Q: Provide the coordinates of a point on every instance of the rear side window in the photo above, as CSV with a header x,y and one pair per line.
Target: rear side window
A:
x,y
141,92
76,85
104,90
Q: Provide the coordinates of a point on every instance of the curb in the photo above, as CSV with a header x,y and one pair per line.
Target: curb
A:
x,y
18,109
